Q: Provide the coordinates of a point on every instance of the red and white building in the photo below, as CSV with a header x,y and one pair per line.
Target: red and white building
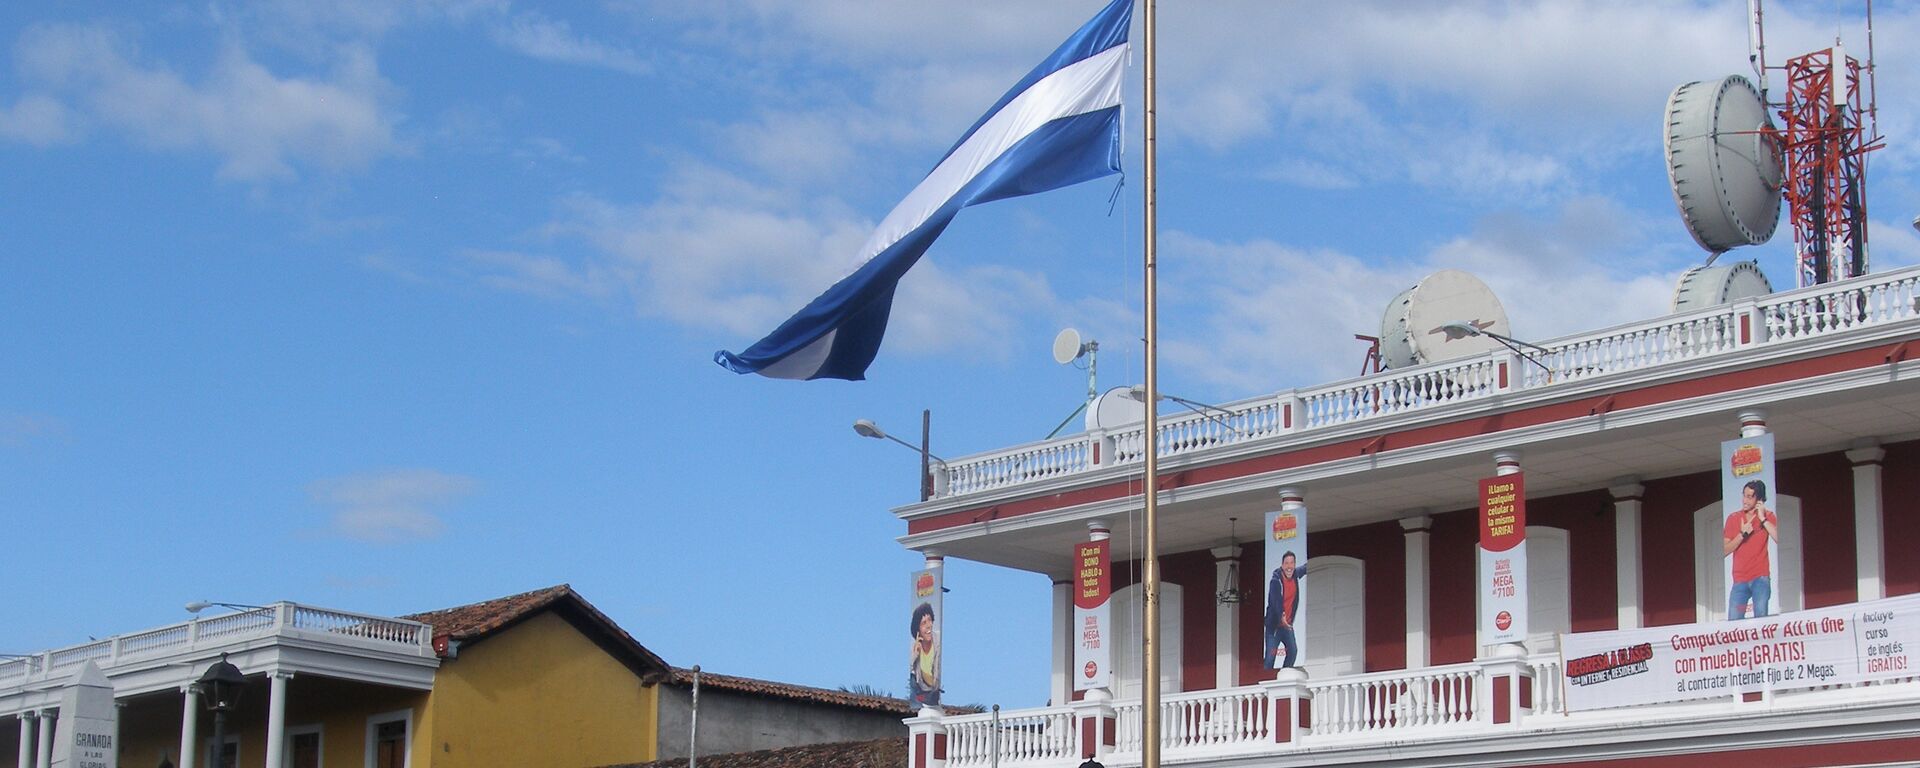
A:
x,y
1618,433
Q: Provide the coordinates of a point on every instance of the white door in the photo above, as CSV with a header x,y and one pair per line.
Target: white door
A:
x,y
1126,630
1336,641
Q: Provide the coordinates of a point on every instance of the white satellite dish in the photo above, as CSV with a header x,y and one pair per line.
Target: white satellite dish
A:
x,y
1114,409
1724,162
1413,331
1712,286
1067,346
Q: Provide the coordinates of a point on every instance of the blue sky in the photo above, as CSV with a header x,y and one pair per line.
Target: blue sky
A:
x,y
394,306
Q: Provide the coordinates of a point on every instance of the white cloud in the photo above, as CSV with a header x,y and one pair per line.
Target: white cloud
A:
x,y
1288,316
534,35
38,120
19,429
390,506
259,123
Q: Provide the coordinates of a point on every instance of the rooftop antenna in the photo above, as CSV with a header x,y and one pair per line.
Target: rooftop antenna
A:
x,y
1069,348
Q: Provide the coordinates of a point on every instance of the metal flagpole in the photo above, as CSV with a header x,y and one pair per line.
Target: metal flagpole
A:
x,y
1150,570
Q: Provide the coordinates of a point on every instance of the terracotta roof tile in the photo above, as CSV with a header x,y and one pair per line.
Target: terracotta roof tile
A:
x,y
463,622
476,621
684,678
885,753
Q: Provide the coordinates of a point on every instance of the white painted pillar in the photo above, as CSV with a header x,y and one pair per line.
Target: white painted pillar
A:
x,y
24,757
1226,621
276,716
1753,422
189,726
1417,530
1060,682
1869,528
45,739
1628,590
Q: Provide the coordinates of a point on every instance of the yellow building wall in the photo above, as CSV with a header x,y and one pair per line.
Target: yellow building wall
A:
x,y
150,726
542,694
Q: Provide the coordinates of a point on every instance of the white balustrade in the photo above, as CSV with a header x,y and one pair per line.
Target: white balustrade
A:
x,y
1547,685
1399,700
1025,735
224,631
1777,318
1222,719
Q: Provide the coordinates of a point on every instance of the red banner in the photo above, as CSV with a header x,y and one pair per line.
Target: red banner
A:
x,y
1092,576
1503,512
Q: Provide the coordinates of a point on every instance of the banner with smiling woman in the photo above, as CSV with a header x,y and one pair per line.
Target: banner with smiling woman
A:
x,y
923,675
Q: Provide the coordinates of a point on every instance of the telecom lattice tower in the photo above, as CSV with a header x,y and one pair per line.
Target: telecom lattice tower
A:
x,y
1825,148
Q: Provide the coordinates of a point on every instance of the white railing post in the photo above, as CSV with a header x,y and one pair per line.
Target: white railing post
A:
x,y
927,740
1102,447
1749,323
283,614
1293,412
1096,725
1289,705
1509,685
942,476
1507,373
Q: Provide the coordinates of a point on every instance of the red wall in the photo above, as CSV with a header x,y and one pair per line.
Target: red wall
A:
x,y
1823,483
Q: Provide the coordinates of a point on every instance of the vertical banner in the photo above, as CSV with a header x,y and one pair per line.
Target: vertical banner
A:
x,y
1093,614
1503,559
1749,539
923,677
1286,555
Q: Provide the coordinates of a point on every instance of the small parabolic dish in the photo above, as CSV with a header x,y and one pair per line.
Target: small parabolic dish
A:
x,y
1720,284
1724,162
1114,409
1067,347
1411,332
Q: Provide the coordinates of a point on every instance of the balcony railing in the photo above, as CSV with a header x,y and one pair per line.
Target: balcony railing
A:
x,y
1353,711
327,626
1793,316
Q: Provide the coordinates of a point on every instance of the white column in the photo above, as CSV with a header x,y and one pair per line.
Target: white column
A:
x,y
25,755
1419,623
1226,621
1869,532
45,739
276,716
1753,422
1504,463
1098,530
1060,682
189,727
1631,596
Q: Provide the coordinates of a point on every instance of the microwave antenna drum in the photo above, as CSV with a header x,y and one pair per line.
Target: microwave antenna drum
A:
x,y
1724,163
1412,332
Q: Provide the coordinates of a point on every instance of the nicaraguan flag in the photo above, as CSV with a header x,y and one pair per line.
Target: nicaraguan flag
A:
x,y
1060,125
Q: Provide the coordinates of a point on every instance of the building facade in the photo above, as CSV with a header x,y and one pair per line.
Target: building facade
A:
x,y
539,678
1618,435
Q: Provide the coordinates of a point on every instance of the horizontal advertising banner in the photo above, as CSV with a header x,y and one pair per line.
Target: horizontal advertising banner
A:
x,y
1828,646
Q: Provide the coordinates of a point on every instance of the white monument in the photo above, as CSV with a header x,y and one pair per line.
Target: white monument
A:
x,y
89,723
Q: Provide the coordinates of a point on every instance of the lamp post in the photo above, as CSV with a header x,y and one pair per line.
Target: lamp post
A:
x,y
201,605
1462,329
866,428
221,685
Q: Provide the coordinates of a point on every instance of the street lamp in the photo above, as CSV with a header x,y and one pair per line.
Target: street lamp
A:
x,y
201,605
221,685
1460,330
866,428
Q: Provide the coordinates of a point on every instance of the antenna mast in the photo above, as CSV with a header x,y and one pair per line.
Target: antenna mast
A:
x,y
1825,146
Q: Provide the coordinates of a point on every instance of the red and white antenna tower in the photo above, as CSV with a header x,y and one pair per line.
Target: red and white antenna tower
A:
x,y
1827,127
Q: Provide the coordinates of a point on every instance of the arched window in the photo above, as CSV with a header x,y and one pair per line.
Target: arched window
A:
x,y
1126,633
1710,560
1336,641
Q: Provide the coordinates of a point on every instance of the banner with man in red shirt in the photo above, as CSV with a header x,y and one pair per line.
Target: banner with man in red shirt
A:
x,y
1750,537
1286,616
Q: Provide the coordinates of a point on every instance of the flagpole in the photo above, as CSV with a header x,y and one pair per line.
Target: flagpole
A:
x,y
1150,571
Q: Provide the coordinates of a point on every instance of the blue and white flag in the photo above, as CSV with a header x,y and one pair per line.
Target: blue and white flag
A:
x,y
1060,125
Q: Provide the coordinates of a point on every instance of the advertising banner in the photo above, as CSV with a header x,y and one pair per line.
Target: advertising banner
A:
x,y
1827,646
1093,614
923,675
1750,538
1503,559
1286,555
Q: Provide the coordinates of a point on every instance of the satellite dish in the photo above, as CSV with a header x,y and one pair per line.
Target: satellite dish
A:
x,y
1067,347
1706,286
1114,409
1413,331
1724,163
